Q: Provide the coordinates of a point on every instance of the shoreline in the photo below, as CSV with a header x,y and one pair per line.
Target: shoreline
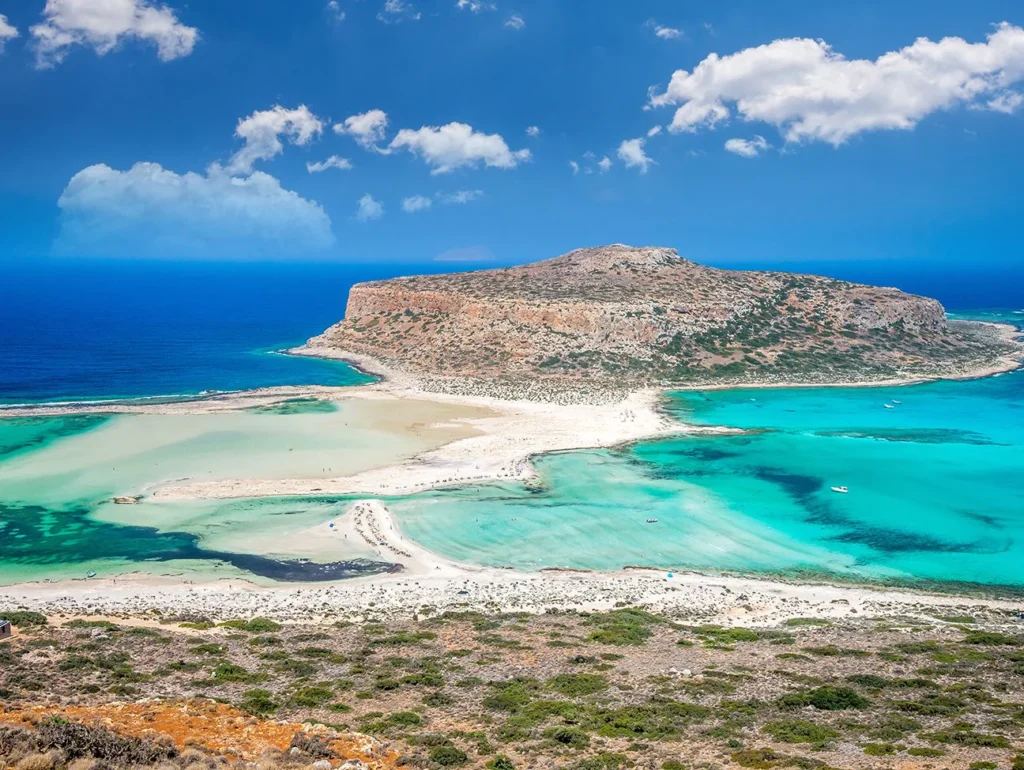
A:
x,y
507,441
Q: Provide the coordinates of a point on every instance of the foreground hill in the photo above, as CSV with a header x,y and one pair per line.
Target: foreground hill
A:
x,y
560,691
633,316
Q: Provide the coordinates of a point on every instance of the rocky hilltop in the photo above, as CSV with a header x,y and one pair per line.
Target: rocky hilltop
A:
x,y
647,316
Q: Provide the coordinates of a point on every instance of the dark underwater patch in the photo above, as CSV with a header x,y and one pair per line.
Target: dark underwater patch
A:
x,y
914,435
49,429
34,535
892,541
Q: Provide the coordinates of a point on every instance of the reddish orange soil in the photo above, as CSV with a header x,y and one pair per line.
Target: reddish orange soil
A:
x,y
214,726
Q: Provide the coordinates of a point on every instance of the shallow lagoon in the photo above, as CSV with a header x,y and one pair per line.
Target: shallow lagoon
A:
x,y
936,489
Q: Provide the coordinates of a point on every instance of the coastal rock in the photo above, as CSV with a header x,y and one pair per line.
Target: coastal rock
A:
x,y
646,316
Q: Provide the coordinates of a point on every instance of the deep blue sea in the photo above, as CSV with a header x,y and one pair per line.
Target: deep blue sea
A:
x,y
94,329
936,481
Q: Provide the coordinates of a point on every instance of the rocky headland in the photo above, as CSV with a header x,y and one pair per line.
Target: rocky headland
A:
x,y
626,317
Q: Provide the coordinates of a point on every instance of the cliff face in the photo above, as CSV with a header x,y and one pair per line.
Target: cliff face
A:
x,y
644,315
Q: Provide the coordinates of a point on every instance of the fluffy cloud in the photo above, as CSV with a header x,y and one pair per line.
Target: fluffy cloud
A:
x,y
604,164
812,93
516,22
475,6
631,152
1006,102
367,128
457,145
103,24
334,11
666,33
335,161
575,167
150,211
368,208
533,131
395,11
262,133
748,148
654,131
416,203
460,197
7,31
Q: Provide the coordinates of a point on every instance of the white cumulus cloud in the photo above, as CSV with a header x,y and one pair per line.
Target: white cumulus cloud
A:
x,y
654,131
533,131
812,93
262,132
748,148
666,33
368,208
604,164
334,11
631,152
460,197
516,22
575,167
395,11
103,24
1007,102
7,31
335,161
150,211
474,6
416,203
457,145
367,128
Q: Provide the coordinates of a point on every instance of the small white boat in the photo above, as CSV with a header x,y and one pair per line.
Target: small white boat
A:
x,y
90,574
888,406
896,401
840,490
652,521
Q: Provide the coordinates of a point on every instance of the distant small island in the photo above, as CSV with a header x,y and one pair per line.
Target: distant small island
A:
x,y
629,317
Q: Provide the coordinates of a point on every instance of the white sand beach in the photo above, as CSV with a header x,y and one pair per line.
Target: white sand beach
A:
x,y
460,439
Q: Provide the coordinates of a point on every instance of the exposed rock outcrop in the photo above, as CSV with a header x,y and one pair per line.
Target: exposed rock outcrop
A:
x,y
648,316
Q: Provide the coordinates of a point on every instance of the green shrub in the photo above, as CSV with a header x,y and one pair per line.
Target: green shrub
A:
x,y
880,749
799,731
24,618
622,627
831,651
448,756
511,695
717,635
868,680
758,758
501,762
925,751
573,737
258,702
603,761
827,698
254,626
800,622
575,685
990,638
312,697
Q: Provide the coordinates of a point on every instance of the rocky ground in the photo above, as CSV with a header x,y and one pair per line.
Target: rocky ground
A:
x,y
617,689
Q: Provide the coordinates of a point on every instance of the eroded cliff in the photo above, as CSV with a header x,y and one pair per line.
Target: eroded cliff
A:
x,y
647,316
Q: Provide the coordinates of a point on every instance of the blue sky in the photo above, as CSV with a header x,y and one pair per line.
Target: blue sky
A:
x,y
914,157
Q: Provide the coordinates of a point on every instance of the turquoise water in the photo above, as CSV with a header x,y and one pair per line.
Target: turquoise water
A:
x,y
936,490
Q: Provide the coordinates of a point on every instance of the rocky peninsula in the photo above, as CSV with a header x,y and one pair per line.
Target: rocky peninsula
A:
x,y
624,317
